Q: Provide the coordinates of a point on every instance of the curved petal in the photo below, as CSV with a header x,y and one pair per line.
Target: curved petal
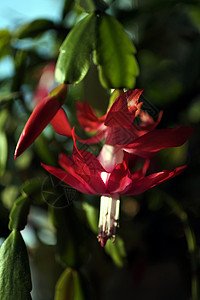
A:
x,y
97,138
122,112
141,185
87,117
147,122
119,179
67,163
61,124
147,145
83,173
69,179
120,136
89,168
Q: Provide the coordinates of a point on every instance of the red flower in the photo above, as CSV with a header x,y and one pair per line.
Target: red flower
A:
x,y
107,175
47,110
119,129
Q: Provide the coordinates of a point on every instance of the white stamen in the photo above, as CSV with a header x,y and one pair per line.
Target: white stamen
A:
x,y
109,218
105,176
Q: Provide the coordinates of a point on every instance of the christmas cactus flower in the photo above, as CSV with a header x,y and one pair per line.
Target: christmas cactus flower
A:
x,y
48,110
119,129
107,175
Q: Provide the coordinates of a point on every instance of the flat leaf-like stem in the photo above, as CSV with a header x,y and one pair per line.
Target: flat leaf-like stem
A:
x,y
19,213
74,59
15,279
72,285
115,54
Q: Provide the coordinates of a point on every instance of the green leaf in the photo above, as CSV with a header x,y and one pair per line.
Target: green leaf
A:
x,y
74,58
92,5
3,152
33,28
15,279
5,39
19,213
115,54
117,251
72,286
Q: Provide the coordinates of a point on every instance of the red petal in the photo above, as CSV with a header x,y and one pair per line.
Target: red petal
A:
x,y
147,122
79,171
119,179
67,163
122,112
97,138
61,124
88,167
141,185
87,117
120,136
69,179
40,117
147,145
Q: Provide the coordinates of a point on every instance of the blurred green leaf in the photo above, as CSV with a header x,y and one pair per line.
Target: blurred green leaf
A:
x,y
71,240
15,279
194,14
74,58
173,157
24,161
8,98
9,194
92,215
19,213
67,7
117,251
71,286
3,152
65,286
43,150
194,112
20,69
33,28
115,54
31,186
92,5
5,39
3,118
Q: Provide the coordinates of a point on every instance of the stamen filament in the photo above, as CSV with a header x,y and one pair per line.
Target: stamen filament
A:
x,y
108,219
